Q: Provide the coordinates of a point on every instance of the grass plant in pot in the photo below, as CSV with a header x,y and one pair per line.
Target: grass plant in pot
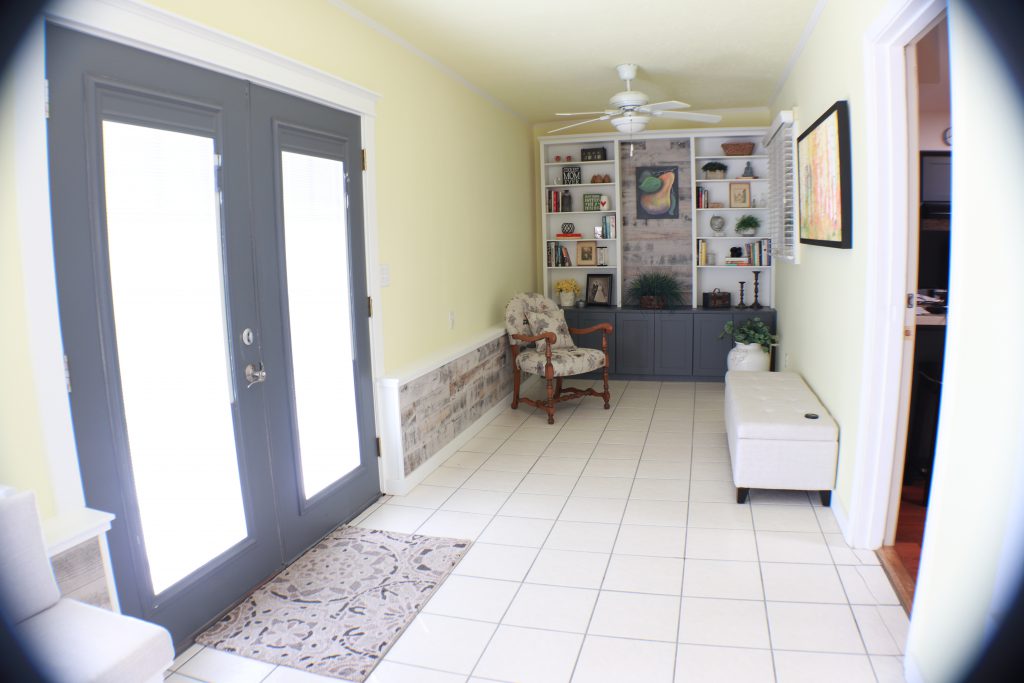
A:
x,y
654,290
714,170
753,341
747,225
568,289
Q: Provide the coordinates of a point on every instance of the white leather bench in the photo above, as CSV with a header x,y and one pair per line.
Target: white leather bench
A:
x,y
780,435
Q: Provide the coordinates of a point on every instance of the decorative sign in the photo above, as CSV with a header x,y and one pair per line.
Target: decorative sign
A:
x,y
572,175
591,202
594,154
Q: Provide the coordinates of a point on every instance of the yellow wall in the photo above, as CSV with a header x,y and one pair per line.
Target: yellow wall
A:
x,y
22,451
821,300
452,171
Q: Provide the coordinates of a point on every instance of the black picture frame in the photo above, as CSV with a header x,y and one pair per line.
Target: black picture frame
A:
x,y
599,289
823,155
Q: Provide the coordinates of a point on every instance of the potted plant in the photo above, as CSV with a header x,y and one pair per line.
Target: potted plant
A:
x,y
654,290
747,225
753,340
568,289
714,170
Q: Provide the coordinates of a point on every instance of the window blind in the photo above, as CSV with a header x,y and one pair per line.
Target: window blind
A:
x,y
781,147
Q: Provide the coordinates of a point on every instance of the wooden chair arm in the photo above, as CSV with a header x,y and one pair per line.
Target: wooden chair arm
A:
x,y
600,327
549,336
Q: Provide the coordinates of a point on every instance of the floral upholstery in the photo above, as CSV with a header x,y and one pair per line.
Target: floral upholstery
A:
x,y
564,362
515,313
544,322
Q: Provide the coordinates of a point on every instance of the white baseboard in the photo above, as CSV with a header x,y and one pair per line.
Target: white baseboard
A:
x,y
401,485
842,518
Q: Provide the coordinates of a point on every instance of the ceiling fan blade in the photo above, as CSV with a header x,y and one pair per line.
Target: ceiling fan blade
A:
x,y
668,104
583,113
689,116
580,123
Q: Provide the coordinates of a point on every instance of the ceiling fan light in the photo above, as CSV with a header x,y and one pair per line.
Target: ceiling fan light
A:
x,y
631,123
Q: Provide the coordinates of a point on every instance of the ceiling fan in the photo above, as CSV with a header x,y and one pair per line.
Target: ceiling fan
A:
x,y
629,111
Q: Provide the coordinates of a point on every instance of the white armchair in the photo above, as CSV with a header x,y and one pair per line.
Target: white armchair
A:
x,y
70,641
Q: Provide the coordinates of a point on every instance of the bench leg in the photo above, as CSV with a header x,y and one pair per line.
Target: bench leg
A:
x,y
826,498
741,495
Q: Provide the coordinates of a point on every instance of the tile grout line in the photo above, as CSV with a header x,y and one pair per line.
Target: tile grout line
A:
x,y
686,538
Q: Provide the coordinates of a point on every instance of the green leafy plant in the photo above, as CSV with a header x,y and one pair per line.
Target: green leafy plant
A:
x,y
656,288
753,331
747,223
714,166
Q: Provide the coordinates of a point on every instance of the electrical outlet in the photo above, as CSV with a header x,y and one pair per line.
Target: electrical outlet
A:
x,y
451,320
785,361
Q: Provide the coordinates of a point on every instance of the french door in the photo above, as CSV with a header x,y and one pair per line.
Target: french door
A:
x,y
209,249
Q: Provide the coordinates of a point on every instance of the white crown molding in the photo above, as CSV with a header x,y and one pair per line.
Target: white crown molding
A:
x,y
137,24
430,59
799,49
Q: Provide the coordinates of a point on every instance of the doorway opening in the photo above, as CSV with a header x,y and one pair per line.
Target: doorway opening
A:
x,y
928,240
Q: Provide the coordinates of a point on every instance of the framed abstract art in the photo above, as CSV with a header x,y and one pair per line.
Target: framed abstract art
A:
x,y
823,179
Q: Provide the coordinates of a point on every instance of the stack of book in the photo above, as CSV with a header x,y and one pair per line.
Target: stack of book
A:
x,y
703,197
607,228
558,256
569,236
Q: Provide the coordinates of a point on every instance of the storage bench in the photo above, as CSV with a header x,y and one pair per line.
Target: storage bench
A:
x,y
780,435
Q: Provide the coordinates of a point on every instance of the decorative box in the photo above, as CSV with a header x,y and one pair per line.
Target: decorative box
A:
x,y
717,299
594,154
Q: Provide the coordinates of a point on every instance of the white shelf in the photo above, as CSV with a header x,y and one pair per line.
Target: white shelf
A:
x,y
734,208
569,213
737,237
579,163
581,239
726,156
582,267
733,180
737,267
583,185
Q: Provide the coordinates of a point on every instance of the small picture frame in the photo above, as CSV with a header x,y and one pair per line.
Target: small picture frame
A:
x,y
572,175
592,202
594,154
739,195
585,254
599,290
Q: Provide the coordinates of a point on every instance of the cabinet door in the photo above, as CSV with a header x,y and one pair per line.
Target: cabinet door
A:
x,y
635,343
709,352
766,316
589,318
572,319
673,344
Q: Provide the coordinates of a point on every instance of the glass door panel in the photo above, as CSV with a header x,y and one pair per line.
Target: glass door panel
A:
x,y
167,287
319,318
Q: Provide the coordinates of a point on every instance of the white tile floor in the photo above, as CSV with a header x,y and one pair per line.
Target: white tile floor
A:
x,y
609,547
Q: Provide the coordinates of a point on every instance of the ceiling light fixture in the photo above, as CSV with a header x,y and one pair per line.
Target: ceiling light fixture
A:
x,y
631,122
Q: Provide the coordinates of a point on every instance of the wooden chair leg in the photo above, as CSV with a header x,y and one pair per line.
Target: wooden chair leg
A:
x,y
607,394
515,387
558,387
550,406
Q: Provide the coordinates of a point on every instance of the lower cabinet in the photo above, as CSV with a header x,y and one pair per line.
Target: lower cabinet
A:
x,y
672,343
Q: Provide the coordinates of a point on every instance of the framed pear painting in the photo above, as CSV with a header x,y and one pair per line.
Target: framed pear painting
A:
x,y
657,192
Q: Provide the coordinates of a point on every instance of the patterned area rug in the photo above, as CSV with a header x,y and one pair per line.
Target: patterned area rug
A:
x,y
338,608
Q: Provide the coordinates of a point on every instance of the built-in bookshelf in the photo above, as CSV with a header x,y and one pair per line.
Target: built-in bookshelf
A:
x,y
570,185
580,215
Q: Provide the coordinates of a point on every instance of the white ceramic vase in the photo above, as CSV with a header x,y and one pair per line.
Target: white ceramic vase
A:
x,y
567,299
748,357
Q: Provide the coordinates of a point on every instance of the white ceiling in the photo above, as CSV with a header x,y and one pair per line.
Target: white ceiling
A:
x,y
542,56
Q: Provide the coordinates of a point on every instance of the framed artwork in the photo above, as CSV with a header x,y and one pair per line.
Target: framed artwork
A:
x,y
599,290
585,254
823,178
657,192
739,195
591,202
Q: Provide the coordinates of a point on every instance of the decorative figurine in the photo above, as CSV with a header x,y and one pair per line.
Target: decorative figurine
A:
x,y
568,157
735,252
756,305
558,157
748,171
568,228
741,304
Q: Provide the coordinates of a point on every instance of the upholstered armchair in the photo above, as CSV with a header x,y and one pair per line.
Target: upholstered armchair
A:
x,y
535,319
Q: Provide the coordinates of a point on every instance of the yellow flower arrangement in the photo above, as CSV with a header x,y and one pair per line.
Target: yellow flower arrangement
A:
x,y
568,285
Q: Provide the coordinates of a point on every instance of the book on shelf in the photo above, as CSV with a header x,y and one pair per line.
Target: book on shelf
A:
x,y
608,227
568,236
703,197
736,261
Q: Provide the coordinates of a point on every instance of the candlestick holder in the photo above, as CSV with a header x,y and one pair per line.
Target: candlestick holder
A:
x,y
741,304
757,304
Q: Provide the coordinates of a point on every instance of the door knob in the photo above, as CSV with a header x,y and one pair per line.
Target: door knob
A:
x,y
254,374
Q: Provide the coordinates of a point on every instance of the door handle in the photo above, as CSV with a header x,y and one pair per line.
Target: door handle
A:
x,y
255,374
